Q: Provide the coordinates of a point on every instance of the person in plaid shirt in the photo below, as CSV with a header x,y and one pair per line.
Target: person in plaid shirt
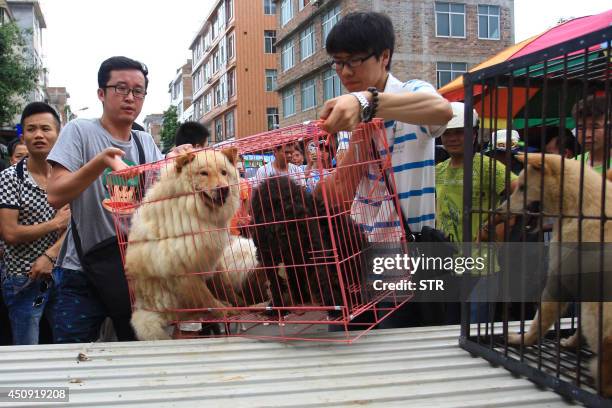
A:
x,y
31,228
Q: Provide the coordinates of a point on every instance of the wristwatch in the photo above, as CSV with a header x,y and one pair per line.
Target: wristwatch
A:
x,y
366,110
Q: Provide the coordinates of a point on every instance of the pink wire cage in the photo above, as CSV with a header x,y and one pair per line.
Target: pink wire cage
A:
x,y
291,260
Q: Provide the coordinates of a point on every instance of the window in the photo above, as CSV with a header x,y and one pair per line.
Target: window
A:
x,y
213,29
488,22
450,20
331,84
307,42
197,108
309,99
197,80
207,102
231,83
3,16
270,42
286,11
223,88
329,20
287,59
220,19
230,46
302,3
176,89
229,124
197,51
209,39
289,102
207,71
270,80
215,61
229,10
222,52
269,7
219,130
217,95
272,115
448,71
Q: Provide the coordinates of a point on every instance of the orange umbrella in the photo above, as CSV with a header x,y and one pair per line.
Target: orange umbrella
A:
x,y
568,30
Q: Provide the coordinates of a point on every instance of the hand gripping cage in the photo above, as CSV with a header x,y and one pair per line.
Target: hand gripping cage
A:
x,y
266,254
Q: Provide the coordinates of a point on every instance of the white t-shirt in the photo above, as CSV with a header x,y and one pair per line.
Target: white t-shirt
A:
x,y
412,151
266,171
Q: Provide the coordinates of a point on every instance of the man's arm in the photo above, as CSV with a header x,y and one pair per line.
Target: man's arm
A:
x,y
14,233
64,186
419,108
43,265
343,113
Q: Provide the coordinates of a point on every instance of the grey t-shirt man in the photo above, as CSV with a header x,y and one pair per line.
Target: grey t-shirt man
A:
x,y
78,143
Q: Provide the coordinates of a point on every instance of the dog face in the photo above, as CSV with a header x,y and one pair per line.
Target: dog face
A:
x,y
212,175
536,175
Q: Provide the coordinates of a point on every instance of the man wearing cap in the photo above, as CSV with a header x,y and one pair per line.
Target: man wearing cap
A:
x,y
488,183
449,180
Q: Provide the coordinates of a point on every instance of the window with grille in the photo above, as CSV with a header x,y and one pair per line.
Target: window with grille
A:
x,y
307,42
309,99
289,102
449,71
450,19
488,22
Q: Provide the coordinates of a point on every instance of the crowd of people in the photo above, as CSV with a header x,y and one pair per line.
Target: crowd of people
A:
x,y
60,257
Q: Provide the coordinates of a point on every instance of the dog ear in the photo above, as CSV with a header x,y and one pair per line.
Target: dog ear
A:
x,y
183,160
232,154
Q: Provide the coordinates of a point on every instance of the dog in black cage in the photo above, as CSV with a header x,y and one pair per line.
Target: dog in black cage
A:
x,y
293,237
545,175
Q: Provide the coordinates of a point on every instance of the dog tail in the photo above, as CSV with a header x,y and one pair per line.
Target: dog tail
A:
x,y
149,325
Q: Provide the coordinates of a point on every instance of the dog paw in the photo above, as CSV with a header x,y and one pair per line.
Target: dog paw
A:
x,y
570,342
517,338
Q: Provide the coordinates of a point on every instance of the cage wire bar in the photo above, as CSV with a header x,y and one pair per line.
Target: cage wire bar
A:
x,y
299,259
549,83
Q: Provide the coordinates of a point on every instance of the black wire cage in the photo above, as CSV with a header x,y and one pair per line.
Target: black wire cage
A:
x,y
547,311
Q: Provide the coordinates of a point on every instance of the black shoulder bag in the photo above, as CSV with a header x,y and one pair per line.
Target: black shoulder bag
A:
x,y
103,268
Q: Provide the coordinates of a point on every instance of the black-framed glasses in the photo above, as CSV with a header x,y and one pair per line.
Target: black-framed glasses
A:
x,y
124,90
351,62
44,285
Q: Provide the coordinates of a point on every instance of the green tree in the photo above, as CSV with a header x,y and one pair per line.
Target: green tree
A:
x,y
18,75
169,126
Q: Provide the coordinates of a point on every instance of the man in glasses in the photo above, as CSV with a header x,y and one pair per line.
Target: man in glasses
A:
x,y
30,226
361,47
92,283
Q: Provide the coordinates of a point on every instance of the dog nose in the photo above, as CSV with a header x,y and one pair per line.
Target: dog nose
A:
x,y
223,192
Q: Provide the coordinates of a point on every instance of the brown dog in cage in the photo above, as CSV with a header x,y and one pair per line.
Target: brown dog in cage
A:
x,y
547,173
294,243
179,232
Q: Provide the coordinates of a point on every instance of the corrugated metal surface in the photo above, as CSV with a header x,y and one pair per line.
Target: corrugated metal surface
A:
x,y
420,367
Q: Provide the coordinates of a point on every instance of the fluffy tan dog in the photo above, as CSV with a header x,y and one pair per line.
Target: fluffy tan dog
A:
x,y
548,174
179,232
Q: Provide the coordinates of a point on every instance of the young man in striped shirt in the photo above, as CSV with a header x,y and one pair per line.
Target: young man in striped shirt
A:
x,y
361,46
